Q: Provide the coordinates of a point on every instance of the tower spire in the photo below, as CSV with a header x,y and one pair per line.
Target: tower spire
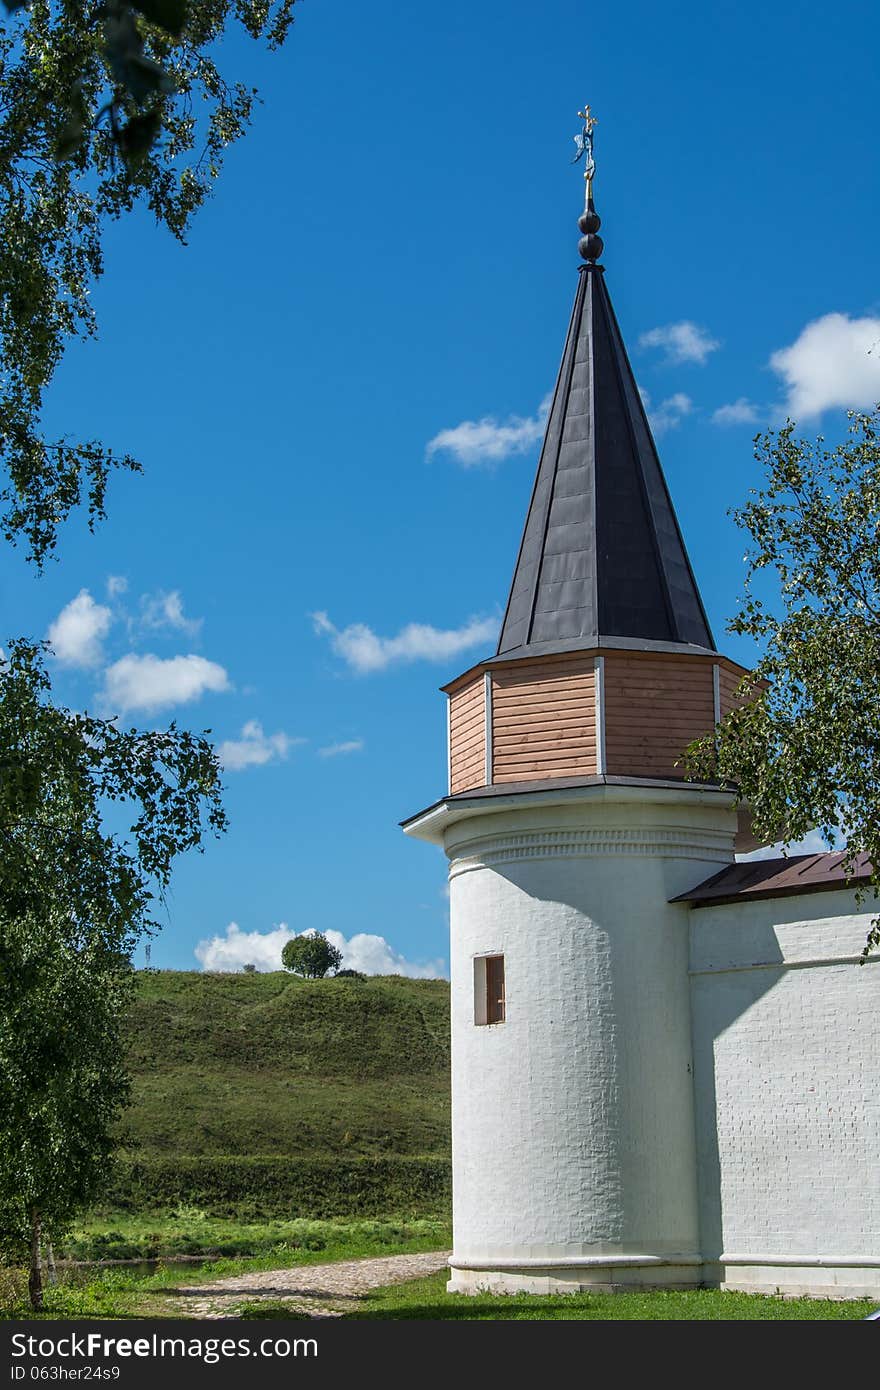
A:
x,y
602,559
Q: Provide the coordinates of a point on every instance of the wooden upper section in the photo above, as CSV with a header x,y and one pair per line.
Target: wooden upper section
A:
x,y
617,712
543,713
467,735
654,707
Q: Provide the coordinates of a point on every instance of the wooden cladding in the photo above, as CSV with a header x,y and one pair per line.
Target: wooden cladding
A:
x,y
467,736
654,706
544,719
729,677
541,716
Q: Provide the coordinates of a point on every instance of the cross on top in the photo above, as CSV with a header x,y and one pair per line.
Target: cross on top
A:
x,y
584,141
588,119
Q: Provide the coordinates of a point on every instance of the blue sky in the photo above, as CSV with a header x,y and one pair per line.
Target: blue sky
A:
x,y
390,256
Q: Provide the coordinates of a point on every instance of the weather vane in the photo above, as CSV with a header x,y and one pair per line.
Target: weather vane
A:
x,y
584,143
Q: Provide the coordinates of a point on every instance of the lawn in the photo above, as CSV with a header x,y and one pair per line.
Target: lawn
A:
x,y
427,1298
191,1232
117,1292
272,1064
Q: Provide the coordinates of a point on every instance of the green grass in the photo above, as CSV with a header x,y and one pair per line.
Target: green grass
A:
x,y
120,1293
427,1298
266,1064
271,1109
193,1233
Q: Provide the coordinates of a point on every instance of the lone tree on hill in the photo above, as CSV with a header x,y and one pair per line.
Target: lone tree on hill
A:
x,y
806,751
311,956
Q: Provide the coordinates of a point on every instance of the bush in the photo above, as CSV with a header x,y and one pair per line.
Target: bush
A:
x,y
349,975
283,1187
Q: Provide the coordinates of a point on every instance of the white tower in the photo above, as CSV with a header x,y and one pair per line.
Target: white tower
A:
x,y
569,828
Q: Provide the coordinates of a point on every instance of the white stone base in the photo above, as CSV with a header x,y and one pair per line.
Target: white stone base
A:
x,y
816,1279
812,1278
603,1274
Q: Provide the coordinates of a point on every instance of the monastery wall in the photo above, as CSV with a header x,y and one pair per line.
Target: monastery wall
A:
x,y
786,1067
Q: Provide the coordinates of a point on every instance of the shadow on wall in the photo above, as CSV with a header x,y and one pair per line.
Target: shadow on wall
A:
x,y
719,999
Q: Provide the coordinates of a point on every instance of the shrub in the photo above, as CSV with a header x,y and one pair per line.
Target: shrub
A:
x,y
283,1187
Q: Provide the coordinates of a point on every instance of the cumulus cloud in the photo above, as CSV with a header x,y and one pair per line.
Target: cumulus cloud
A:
x,y
162,610
116,584
365,952
78,631
364,651
681,342
812,843
739,412
669,413
254,748
336,750
149,683
482,443
835,362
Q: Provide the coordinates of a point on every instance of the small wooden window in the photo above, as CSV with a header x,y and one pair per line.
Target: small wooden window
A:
x,y
489,1001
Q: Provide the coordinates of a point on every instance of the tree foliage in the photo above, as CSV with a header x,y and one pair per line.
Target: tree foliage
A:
x,y
312,956
103,106
805,751
91,820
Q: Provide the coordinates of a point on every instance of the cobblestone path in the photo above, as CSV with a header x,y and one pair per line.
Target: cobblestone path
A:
x,y
309,1291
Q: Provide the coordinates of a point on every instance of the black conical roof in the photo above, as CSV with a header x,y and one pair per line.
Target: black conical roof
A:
x,y
602,561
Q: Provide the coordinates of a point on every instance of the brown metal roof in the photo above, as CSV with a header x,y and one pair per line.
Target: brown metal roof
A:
x,y
777,878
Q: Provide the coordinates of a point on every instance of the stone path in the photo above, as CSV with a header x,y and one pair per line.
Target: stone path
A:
x,y
310,1291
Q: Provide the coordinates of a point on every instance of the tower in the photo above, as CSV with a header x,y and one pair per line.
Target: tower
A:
x,y
569,829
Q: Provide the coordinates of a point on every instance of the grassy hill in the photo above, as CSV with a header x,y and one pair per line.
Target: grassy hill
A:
x,y
265,1090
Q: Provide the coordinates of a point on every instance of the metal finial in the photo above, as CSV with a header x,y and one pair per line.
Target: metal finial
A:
x,y
584,142
590,245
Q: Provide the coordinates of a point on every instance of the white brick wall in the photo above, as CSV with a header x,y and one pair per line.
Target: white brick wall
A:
x,y
573,1128
676,1094
787,1065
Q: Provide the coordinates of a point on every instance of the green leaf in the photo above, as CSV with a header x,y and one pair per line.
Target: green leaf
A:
x,y
169,15
69,141
143,77
137,138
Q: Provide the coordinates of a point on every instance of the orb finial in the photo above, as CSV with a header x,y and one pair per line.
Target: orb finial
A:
x,y
590,245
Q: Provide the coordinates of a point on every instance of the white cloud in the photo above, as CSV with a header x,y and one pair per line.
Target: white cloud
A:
x,y
669,413
336,750
254,748
481,443
812,843
681,342
78,631
166,610
150,683
116,584
365,952
831,364
739,412
364,651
